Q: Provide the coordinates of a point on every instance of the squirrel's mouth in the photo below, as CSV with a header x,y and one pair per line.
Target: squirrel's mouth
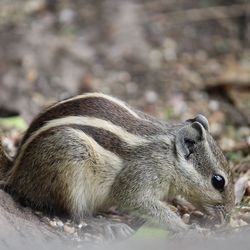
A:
x,y
218,211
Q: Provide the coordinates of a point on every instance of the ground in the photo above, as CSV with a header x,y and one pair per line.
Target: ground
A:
x,y
170,59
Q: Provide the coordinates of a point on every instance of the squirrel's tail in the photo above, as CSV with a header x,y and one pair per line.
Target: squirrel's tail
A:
x,y
5,164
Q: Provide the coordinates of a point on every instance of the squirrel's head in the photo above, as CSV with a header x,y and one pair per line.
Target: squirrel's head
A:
x,y
207,176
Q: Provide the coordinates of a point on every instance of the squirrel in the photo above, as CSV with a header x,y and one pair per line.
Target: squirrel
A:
x,y
93,151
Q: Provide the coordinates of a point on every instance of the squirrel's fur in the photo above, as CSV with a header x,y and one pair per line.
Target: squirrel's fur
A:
x,y
90,152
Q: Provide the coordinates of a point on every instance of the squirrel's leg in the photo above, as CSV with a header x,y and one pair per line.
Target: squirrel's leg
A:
x,y
133,192
157,212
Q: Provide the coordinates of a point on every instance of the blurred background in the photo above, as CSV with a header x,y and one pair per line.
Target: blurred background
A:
x,y
170,58
173,59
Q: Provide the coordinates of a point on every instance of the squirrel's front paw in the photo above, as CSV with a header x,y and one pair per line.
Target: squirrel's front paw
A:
x,y
197,229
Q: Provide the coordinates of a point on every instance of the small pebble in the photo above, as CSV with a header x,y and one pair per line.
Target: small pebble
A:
x,y
34,6
82,224
227,143
59,223
245,209
197,214
245,217
151,96
248,140
53,223
186,218
68,229
216,128
38,213
245,131
66,16
214,105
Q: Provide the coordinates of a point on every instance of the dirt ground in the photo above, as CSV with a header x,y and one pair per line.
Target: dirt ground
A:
x,y
173,59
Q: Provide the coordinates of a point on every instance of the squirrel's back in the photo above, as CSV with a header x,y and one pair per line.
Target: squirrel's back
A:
x,y
99,106
72,152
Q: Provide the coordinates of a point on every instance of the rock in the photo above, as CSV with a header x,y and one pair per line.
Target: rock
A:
x,y
66,16
151,96
59,223
82,224
34,6
245,209
245,217
227,144
53,223
214,105
186,218
68,229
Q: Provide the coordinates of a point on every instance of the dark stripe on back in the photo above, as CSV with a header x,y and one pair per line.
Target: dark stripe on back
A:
x,y
106,139
97,107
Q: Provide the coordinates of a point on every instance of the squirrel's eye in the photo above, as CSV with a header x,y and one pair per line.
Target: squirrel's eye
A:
x,y
218,182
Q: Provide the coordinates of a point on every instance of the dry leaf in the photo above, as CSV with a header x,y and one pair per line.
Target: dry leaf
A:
x,y
240,188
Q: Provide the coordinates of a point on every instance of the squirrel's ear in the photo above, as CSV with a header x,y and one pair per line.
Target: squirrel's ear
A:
x,y
201,119
187,137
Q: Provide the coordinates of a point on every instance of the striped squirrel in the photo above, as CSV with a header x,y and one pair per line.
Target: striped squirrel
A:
x,y
90,152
